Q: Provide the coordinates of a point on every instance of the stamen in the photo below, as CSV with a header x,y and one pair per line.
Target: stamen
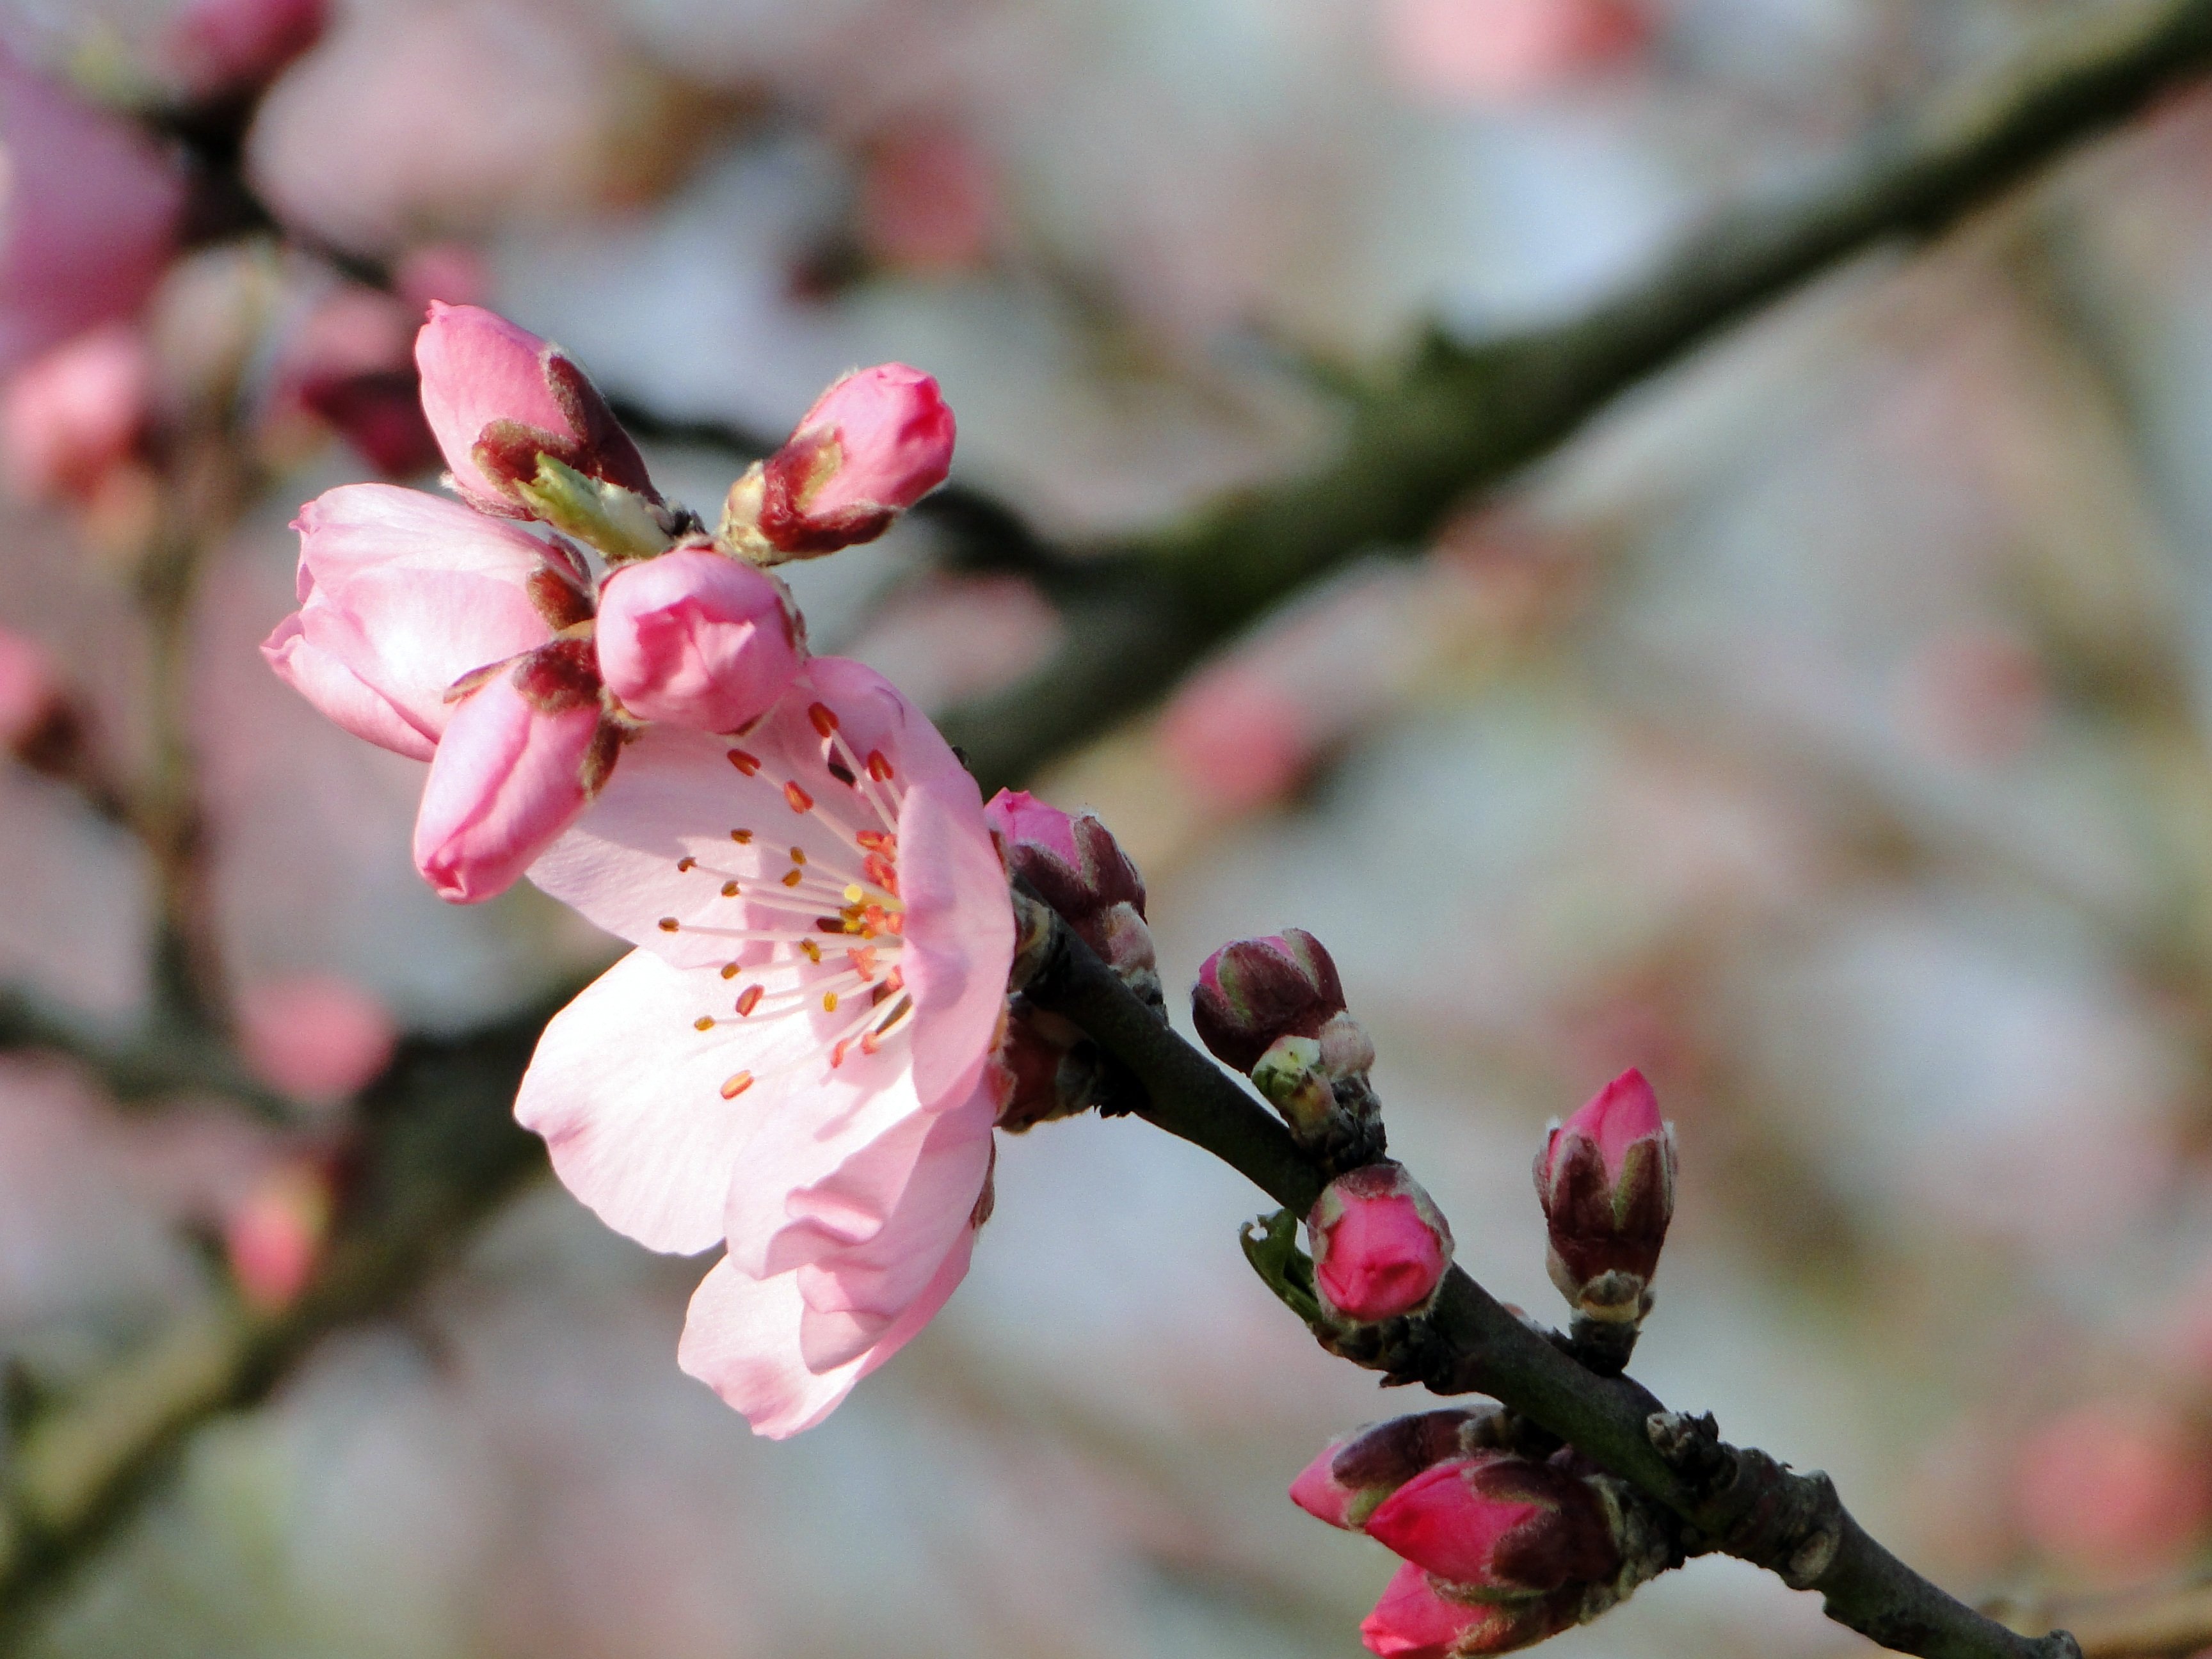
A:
x,y
829,1002
668,924
745,763
813,952
729,889
743,837
736,1084
704,1022
799,800
686,863
878,768
749,999
791,879
798,856
729,971
824,718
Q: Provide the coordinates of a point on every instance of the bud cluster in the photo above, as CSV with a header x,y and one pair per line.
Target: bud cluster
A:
x,y
1606,1179
1500,1548
1274,1008
1080,870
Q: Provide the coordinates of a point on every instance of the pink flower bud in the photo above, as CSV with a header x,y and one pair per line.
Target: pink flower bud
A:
x,y
1257,990
1606,1179
696,638
31,691
70,417
92,214
1080,869
1380,1247
1354,1474
1497,1526
228,45
1418,1618
498,396
522,755
873,445
274,1239
316,1037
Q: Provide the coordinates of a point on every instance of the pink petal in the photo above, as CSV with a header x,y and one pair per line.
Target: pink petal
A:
x,y
959,930
507,779
478,368
696,637
742,1338
628,1099
339,694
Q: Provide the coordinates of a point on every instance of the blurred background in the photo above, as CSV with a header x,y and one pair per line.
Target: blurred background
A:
x,y
1824,728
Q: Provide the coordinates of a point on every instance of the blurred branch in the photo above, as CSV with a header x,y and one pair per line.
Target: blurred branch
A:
x,y
145,1065
1463,417
2172,1623
442,1150
1737,1501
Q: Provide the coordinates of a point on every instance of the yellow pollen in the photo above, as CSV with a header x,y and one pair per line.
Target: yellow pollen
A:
x,y
791,879
813,952
729,889
668,924
704,1022
729,971
829,1002
853,893
743,837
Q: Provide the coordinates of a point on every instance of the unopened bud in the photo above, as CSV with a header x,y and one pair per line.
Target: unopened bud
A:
x,y
1253,992
275,1238
697,638
1380,1246
873,445
1499,1527
1352,1477
1421,1617
1606,1179
1080,871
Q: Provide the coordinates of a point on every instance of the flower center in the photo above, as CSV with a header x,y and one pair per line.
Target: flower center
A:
x,y
817,931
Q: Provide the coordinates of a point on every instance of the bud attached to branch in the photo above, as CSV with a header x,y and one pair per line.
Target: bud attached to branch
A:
x,y
1352,1477
873,445
1080,870
1500,1527
1380,1247
1421,1617
1274,1008
1606,1179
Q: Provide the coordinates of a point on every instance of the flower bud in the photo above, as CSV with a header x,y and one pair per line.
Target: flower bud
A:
x,y
32,695
873,445
75,414
1353,1475
696,638
275,1237
1606,1179
1499,1527
1420,1617
518,762
1380,1247
499,397
1257,990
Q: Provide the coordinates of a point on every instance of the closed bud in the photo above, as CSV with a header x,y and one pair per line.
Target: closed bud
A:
x,y
1080,871
1352,1477
696,638
1253,992
1499,1527
1421,1617
1380,1247
1606,1179
873,445
1055,1070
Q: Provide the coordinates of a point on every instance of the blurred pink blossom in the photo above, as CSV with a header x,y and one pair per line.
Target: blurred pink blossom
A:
x,y
452,272
697,637
351,366
274,1237
796,1060
1237,736
70,416
91,214
2120,1487
929,201
315,1037
1499,51
224,45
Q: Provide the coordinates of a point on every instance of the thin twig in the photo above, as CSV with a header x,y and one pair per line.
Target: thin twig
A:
x,y
1738,1501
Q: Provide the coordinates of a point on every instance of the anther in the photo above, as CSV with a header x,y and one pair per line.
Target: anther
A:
x,y
825,719
798,856
729,971
729,889
854,892
736,1084
749,999
810,949
800,801
743,837
745,763
668,924
792,878
704,1022
829,1002
878,768
686,863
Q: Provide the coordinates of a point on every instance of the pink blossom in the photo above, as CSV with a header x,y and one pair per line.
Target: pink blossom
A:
x,y
219,45
796,1060
1605,1179
1346,1484
1380,1247
1501,51
30,689
1415,1620
487,382
696,637
92,211
274,1238
521,757
67,418
317,1037
401,594
928,201
2121,1487
1501,1525
873,445
352,365
1237,736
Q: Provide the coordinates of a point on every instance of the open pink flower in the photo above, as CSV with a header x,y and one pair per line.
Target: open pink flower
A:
x,y
91,212
797,1059
401,594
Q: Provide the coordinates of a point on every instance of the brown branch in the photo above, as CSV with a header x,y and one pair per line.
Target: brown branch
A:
x,y
1738,1501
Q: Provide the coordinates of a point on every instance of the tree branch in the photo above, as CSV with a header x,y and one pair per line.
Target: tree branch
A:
x,y
1738,1501
442,1151
144,1064
1464,416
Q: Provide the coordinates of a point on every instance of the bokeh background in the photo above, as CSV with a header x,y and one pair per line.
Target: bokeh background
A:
x,y
1823,729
